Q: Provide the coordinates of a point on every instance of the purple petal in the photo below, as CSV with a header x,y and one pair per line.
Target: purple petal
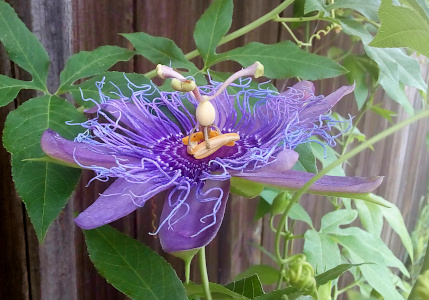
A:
x,y
324,105
296,179
284,161
120,199
306,88
59,148
192,230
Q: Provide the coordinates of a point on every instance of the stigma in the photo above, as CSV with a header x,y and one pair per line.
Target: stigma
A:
x,y
206,138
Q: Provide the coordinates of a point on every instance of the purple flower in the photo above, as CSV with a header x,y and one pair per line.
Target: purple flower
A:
x,y
139,142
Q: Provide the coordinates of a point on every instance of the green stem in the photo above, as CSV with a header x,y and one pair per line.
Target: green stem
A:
x,y
203,271
249,27
303,19
338,162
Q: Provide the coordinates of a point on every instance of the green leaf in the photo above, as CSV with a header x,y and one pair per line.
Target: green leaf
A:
x,y
115,84
23,47
314,5
359,66
306,161
10,87
245,188
368,8
267,274
211,27
89,63
132,267
284,59
334,219
263,208
321,250
380,278
370,216
44,187
393,63
291,294
396,93
367,248
326,155
385,113
394,217
249,287
333,273
402,27
218,291
297,212
163,51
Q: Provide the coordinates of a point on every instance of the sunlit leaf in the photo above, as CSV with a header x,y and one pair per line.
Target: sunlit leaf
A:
x,y
283,60
23,47
163,51
249,287
132,267
10,87
402,27
89,63
211,27
267,274
321,250
44,187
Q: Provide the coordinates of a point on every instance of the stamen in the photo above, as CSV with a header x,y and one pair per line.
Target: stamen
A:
x,y
256,70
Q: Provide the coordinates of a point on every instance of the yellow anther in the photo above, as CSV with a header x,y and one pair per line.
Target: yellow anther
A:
x,y
259,69
216,142
183,86
159,71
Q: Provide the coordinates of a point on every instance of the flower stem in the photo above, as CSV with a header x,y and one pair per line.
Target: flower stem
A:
x,y
203,271
249,27
339,161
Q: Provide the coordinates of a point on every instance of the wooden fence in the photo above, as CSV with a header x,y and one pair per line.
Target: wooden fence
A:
x,y
60,268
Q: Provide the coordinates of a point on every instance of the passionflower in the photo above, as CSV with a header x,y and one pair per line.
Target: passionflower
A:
x,y
190,142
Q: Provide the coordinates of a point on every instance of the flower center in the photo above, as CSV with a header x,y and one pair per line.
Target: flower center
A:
x,y
206,141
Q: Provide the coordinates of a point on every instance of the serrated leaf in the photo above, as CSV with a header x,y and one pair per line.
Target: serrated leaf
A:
x,y
393,63
402,27
245,188
267,274
44,187
334,219
163,51
396,93
116,85
314,5
297,212
394,217
284,59
385,113
10,87
132,267
321,251
249,287
333,273
370,216
218,291
211,27
379,277
367,248
89,63
358,71
23,47
368,8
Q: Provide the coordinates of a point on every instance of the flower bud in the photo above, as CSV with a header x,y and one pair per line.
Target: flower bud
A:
x,y
280,203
